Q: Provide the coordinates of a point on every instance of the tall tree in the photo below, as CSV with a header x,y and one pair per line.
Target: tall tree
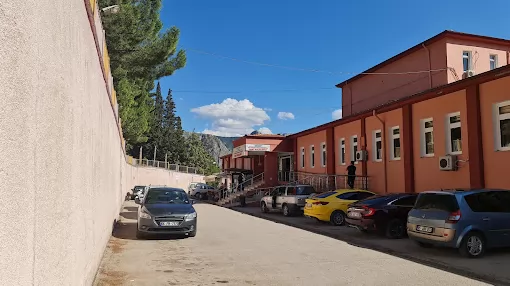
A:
x,y
197,156
156,136
140,53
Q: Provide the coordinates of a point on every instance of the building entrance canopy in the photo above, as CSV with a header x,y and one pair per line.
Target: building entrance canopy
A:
x,y
250,150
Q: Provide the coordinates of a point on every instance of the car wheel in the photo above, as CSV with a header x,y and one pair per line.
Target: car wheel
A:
x,y
337,218
395,229
199,196
286,210
263,207
473,245
424,244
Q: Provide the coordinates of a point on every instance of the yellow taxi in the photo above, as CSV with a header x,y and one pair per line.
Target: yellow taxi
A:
x,y
332,206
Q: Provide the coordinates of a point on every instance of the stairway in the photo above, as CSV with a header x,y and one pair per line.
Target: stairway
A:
x,y
252,193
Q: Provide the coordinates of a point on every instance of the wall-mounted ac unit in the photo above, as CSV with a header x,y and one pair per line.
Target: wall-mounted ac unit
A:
x,y
361,155
468,73
448,163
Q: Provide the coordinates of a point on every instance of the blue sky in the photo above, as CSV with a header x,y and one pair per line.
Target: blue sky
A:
x,y
337,36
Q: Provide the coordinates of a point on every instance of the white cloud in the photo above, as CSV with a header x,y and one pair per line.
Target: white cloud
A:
x,y
285,115
265,130
267,109
337,114
232,117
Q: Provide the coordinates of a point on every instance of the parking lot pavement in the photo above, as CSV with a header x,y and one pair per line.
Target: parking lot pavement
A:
x,y
232,248
492,268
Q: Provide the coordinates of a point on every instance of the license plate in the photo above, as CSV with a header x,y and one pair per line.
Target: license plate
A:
x,y
169,223
424,229
354,215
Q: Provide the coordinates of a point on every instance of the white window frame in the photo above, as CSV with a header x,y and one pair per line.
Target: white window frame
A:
x,y
493,59
449,127
323,154
312,156
466,55
302,157
423,130
374,147
354,144
497,125
342,151
392,143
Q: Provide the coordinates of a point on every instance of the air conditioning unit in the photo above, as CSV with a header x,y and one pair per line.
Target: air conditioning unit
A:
x,y
468,73
448,163
361,155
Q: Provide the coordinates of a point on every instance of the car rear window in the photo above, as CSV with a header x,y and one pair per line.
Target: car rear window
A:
x,y
325,195
375,200
304,190
444,202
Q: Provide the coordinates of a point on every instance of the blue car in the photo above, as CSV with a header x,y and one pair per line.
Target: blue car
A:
x,y
468,220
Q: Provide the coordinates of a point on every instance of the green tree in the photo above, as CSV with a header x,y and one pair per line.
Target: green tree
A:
x,y
198,157
140,53
156,134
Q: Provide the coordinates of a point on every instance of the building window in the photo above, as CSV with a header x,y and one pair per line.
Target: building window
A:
x,y
466,60
493,62
342,151
427,137
312,156
377,146
323,154
454,134
354,148
502,116
302,157
395,143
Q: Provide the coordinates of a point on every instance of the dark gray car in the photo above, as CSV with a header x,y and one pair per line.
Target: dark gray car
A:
x,y
166,210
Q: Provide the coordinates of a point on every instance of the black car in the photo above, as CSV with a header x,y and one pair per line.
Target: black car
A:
x,y
166,210
386,214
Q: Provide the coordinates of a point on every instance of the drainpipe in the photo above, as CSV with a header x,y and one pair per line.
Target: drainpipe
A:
x,y
430,65
385,152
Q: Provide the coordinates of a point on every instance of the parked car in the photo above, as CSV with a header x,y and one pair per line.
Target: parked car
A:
x,y
166,210
135,190
386,214
289,199
332,206
471,221
201,191
192,187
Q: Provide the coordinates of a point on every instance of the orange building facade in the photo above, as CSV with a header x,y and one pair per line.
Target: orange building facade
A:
x,y
447,129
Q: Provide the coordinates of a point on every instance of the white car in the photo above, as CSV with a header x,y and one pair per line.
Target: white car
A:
x,y
289,199
201,190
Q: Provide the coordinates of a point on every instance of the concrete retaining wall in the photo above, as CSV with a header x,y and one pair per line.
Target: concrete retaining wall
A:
x,y
63,175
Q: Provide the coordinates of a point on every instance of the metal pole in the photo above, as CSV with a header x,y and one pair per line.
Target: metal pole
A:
x,y
165,159
154,161
141,154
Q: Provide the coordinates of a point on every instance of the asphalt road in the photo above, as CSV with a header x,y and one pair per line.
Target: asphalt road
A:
x,y
232,248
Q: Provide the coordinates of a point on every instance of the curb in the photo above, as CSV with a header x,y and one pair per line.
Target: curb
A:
x,y
377,247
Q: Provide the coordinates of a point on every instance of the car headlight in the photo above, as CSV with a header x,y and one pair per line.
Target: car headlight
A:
x,y
145,214
190,217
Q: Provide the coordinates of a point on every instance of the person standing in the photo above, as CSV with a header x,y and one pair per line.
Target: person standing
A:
x,y
351,175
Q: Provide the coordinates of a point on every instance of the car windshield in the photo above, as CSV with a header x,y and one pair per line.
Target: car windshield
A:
x,y
304,190
444,202
325,195
164,196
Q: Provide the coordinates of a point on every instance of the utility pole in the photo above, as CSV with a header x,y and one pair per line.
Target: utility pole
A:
x,y
141,155
165,159
154,154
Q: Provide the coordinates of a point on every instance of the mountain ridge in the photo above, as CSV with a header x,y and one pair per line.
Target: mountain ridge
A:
x,y
216,146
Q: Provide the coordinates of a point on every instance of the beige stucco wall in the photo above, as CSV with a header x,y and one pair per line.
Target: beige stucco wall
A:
x,y
63,174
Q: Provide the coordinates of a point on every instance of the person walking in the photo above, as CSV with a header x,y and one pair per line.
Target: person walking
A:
x,y
351,175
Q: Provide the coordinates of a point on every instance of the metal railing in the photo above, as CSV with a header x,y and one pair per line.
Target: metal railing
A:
x,y
323,182
244,186
166,165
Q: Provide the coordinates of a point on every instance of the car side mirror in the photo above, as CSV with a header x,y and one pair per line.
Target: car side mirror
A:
x,y
137,201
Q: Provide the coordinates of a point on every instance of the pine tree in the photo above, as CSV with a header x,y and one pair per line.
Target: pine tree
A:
x,y
156,136
180,143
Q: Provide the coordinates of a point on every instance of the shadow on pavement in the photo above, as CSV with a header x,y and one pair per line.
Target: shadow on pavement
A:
x,y
131,209
489,269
